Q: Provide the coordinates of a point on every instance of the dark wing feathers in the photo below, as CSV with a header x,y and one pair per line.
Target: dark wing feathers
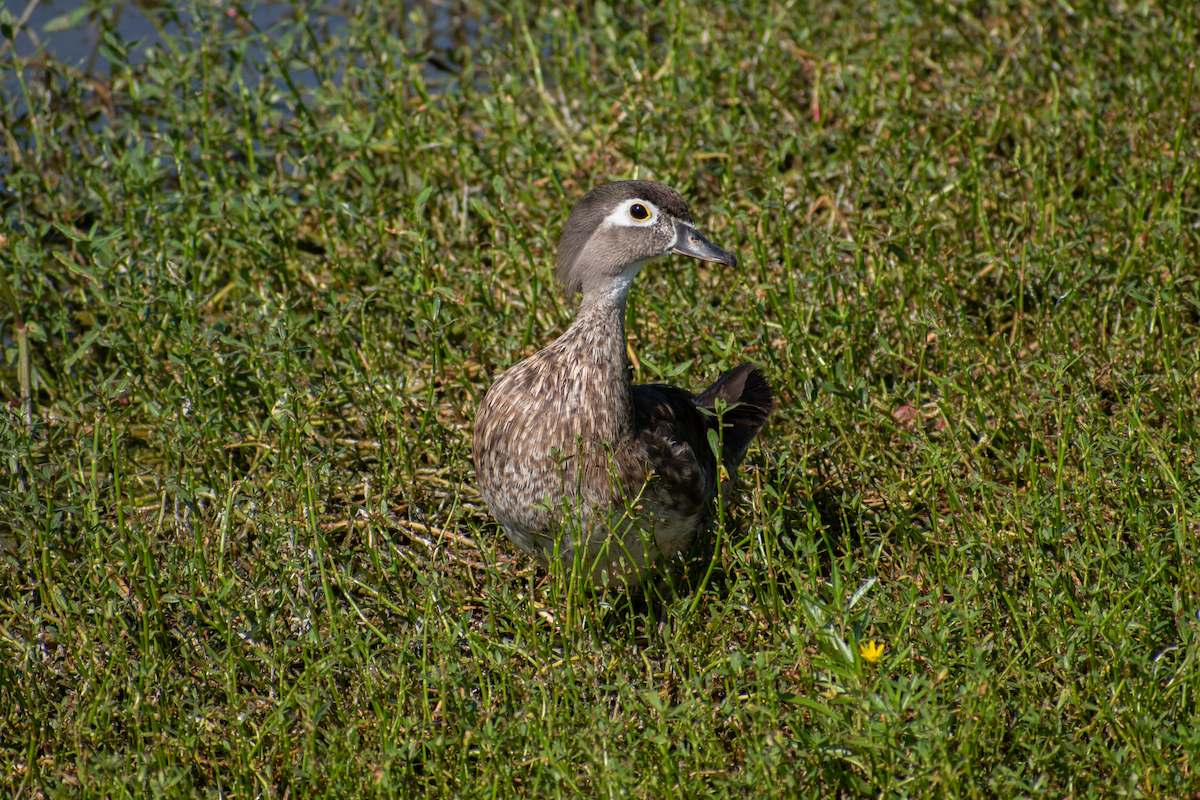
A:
x,y
668,416
748,402
669,424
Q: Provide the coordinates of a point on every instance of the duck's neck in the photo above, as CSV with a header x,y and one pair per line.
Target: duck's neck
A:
x,y
600,323
595,360
599,331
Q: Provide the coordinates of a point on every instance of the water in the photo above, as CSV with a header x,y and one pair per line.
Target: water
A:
x,y
77,45
51,32
139,23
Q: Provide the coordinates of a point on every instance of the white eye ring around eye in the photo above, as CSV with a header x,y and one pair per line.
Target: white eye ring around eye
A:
x,y
638,212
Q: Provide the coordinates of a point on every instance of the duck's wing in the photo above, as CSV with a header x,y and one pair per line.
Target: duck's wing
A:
x,y
673,432
749,401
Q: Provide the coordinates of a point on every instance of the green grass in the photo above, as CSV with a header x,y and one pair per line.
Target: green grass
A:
x,y
242,551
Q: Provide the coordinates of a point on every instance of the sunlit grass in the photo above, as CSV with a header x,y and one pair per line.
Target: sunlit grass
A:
x,y
269,275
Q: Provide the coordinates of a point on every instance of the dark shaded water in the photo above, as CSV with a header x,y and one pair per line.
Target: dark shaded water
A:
x,y
77,44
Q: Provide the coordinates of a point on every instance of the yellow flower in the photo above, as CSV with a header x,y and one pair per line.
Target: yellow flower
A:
x,y
870,651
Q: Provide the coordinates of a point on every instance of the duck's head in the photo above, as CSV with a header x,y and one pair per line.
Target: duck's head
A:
x,y
617,228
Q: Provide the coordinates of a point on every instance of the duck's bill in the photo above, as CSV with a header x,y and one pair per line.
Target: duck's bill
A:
x,y
690,242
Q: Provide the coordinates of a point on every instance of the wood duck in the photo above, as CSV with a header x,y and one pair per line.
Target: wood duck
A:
x,y
578,465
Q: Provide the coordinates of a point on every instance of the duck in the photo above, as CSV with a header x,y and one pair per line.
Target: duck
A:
x,y
579,466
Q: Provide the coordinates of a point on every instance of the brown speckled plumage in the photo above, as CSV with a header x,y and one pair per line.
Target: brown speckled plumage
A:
x,y
568,451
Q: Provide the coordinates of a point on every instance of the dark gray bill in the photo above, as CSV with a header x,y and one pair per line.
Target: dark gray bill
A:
x,y
689,242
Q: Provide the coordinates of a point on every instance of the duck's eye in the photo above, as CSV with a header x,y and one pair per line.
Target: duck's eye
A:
x,y
639,212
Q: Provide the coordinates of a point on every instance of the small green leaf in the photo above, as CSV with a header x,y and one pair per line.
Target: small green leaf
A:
x,y
64,22
861,591
87,342
714,441
421,198
71,233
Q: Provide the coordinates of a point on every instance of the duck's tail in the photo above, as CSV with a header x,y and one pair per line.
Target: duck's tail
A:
x,y
749,400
